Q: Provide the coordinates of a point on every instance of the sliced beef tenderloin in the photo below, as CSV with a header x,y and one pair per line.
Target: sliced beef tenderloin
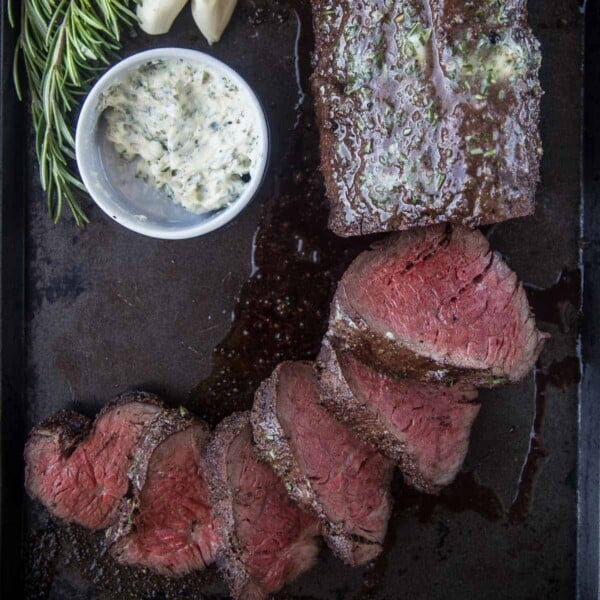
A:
x,y
167,524
78,470
436,304
268,539
423,427
324,465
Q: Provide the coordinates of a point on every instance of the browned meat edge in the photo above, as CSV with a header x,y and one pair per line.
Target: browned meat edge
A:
x,y
337,397
73,428
164,426
271,440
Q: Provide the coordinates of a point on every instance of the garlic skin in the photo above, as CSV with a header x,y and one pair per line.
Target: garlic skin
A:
x,y
212,17
157,16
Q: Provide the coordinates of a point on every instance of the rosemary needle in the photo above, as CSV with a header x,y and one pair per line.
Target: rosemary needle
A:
x,y
63,46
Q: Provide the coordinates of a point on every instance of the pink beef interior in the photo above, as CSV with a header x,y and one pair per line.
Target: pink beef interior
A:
x,y
175,531
453,300
434,421
350,479
277,537
87,486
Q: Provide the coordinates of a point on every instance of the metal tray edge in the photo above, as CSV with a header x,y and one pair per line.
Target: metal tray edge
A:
x,y
12,330
588,534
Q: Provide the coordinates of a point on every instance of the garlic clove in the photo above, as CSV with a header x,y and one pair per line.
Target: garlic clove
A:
x,y
212,17
157,16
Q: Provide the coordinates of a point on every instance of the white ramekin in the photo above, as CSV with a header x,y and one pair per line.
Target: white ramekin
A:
x,y
111,182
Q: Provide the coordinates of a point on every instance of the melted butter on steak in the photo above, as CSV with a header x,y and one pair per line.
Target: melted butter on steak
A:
x,y
428,111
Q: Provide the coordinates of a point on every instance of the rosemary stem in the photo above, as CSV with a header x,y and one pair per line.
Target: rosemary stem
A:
x,y
62,47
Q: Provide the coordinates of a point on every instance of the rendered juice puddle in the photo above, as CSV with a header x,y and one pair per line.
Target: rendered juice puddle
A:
x,y
561,374
557,305
296,264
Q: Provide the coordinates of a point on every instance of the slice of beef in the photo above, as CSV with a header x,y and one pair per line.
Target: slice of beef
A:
x,y
436,304
324,465
167,524
79,470
428,112
268,539
423,427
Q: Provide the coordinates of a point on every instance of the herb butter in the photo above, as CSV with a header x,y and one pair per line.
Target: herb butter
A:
x,y
193,132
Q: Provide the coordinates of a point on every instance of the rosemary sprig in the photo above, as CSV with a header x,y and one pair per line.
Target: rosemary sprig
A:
x,y
63,46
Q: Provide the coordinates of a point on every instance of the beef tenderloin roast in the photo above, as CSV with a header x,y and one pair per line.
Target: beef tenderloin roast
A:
x,y
268,540
325,467
423,427
167,524
78,470
436,304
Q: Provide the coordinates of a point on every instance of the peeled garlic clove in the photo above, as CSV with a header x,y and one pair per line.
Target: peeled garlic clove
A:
x,y
157,16
212,17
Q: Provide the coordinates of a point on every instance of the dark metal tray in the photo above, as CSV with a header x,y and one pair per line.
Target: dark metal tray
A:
x,y
89,313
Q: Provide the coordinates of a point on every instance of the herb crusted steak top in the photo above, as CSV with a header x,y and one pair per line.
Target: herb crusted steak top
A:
x,y
428,111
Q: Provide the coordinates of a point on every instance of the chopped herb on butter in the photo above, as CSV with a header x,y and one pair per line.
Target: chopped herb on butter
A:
x,y
192,131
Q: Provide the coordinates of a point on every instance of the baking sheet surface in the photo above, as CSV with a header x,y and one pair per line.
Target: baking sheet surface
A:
x,y
107,310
